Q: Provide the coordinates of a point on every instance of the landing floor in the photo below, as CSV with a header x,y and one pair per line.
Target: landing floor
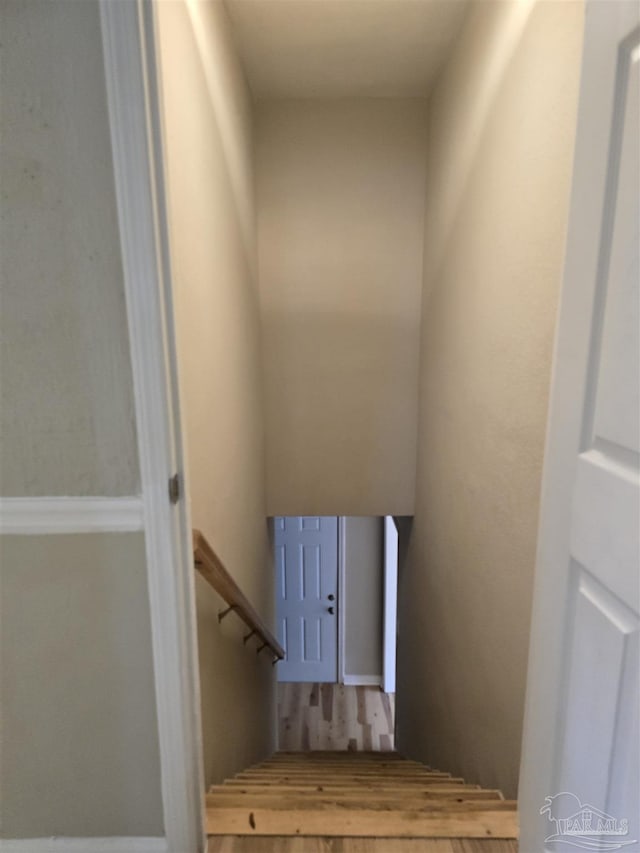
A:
x,y
335,716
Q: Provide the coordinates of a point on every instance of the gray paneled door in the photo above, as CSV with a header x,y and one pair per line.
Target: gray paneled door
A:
x,y
306,556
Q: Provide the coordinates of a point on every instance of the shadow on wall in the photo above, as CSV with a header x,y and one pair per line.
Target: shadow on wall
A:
x,y
490,54
237,692
497,211
404,526
344,423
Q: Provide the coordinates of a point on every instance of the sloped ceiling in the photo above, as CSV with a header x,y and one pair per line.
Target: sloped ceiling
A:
x,y
343,48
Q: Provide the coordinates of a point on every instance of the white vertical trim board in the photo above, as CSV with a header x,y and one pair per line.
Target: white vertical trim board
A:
x,y
84,845
341,596
390,604
130,71
32,516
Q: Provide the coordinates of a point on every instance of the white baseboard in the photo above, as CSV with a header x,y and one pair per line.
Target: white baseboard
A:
x,y
362,680
84,845
31,516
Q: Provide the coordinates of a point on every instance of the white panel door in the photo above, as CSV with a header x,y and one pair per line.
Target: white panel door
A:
x,y
580,769
307,593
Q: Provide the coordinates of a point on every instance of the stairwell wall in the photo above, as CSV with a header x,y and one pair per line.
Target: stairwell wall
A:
x,y
499,155
208,141
340,187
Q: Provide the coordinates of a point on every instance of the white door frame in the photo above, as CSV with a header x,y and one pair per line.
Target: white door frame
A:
x,y
129,47
390,602
341,596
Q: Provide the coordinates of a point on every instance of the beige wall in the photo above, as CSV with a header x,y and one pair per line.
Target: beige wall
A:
x,y
363,588
208,143
341,200
80,750
66,402
502,122
80,754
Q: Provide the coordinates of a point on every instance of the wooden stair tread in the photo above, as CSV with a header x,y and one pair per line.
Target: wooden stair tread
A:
x,y
412,776
399,804
443,823
334,790
361,754
328,767
264,795
393,769
343,762
319,844
355,795
343,780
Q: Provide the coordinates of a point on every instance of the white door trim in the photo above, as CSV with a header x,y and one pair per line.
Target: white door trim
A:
x,y
390,605
341,597
131,82
33,516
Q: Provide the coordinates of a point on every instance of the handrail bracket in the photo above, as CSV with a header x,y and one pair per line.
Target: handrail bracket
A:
x,y
223,613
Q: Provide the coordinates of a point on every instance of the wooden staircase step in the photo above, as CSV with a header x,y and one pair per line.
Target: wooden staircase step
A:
x,y
451,822
321,754
340,781
328,762
343,767
327,766
342,795
346,795
356,790
319,801
410,776
315,844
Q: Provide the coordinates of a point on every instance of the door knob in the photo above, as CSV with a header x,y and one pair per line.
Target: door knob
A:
x,y
331,597
330,609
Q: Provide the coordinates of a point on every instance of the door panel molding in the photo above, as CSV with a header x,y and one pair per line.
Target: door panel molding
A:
x,y
45,515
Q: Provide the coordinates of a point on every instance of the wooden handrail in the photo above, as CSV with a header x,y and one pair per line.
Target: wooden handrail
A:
x,y
213,571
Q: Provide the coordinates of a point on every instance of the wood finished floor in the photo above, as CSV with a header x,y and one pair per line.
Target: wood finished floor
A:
x,y
335,717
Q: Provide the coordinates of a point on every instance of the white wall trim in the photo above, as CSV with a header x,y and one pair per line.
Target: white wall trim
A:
x,y
132,90
84,845
33,516
363,680
341,596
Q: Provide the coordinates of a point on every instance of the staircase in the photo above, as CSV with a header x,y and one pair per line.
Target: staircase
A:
x,y
354,795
